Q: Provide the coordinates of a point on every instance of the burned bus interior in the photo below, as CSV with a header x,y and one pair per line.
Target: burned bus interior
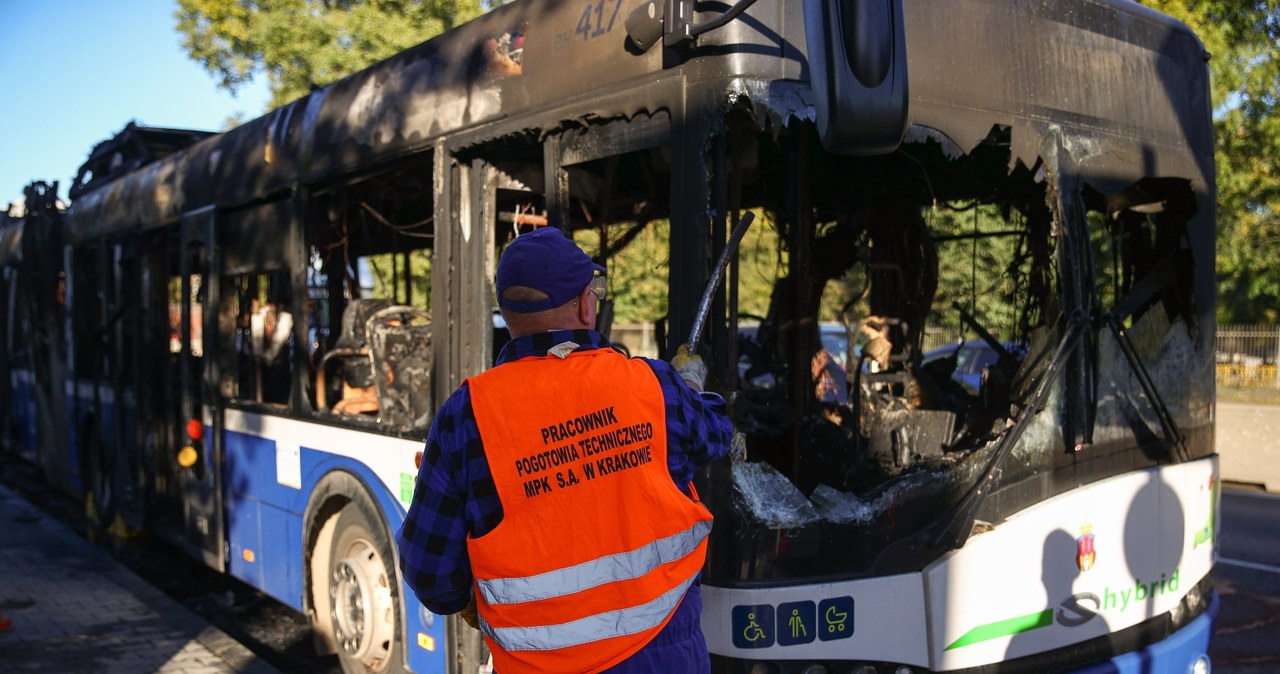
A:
x,y
914,262
898,335
370,241
883,276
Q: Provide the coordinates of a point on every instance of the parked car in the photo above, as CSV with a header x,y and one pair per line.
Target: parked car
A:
x,y
835,340
971,359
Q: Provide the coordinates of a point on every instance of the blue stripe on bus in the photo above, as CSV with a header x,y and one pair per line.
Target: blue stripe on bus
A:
x,y
22,410
266,517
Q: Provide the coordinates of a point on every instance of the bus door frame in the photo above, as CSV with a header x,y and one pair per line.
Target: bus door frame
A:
x,y
467,202
122,320
461,304
204,522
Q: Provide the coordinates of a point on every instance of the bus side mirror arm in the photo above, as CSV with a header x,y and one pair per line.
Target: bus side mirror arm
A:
x,y
672,20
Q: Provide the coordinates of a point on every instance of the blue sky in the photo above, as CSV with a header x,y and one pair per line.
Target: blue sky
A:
x,y
75,72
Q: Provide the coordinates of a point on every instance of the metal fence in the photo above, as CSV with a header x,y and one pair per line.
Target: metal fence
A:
x,y
639,339
1247,356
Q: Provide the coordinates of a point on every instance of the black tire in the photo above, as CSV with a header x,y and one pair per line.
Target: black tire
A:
x,y
364,594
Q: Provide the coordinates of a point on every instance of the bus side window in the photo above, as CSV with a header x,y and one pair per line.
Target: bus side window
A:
x,y
255,311
369,298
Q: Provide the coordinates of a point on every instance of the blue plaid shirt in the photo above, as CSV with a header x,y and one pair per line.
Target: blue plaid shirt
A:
x,y
455,495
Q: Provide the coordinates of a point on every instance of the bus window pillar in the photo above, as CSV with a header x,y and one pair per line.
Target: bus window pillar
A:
x,y
690,228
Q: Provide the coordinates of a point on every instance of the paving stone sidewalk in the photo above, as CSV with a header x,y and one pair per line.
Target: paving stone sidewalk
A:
x,y
73,608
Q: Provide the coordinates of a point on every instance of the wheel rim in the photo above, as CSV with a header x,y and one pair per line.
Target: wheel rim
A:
x,y
363,616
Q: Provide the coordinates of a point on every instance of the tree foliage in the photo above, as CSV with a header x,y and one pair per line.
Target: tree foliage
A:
x,y
638,274
299,44
639,270
1243,39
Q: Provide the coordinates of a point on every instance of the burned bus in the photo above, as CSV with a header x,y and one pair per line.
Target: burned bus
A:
x,y
238,340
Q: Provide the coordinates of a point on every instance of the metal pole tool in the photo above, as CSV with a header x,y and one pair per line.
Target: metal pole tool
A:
x,y
717,275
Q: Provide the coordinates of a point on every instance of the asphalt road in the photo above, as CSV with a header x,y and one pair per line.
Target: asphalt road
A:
x,y
1247,637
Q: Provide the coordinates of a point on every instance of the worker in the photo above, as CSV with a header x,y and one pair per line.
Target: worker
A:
x,y
554,507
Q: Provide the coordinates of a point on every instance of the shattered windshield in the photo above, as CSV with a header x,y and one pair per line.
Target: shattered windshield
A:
x,y
927,329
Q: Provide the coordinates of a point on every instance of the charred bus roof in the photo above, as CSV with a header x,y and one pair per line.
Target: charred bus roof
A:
x,y
535,66
134,147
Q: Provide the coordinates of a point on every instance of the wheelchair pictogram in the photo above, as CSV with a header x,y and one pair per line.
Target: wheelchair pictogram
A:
x,y
753,626
753,632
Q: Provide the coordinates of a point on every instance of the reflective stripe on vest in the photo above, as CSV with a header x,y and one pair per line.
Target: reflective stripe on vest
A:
x,y
589,574
588,629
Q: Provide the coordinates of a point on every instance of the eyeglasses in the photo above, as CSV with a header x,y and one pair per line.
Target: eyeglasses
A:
x,y
599,287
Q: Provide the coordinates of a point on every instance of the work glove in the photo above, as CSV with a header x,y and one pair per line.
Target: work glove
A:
x,y
690,367
468,614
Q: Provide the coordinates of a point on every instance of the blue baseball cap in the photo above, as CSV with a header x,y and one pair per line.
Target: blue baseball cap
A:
x,y
544,260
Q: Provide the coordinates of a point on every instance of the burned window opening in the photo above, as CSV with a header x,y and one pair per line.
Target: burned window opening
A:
x,y
618,210
256,313
370,244
1139,241
878,400
954,332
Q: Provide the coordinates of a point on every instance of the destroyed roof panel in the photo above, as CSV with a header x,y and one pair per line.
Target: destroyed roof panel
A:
x,y
519,57
1107,67
134,147
1114,68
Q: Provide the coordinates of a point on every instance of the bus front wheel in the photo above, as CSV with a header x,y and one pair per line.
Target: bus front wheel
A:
x,y
364,601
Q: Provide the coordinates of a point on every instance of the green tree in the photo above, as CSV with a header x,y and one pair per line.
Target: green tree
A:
x,y
298,44
1243,39
640,263
638,270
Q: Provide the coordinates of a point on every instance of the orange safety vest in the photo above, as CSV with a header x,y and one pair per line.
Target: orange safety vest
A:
x,y
597,546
